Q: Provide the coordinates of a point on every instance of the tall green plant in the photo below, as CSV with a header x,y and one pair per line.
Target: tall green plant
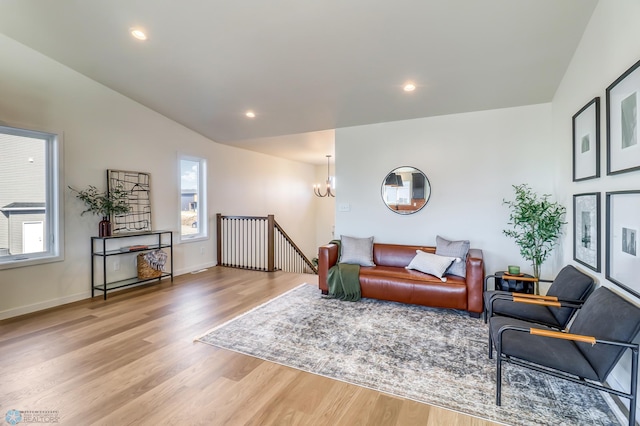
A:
x,y
537,224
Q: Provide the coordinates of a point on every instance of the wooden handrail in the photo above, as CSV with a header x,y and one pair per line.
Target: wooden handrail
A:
x,y
295,247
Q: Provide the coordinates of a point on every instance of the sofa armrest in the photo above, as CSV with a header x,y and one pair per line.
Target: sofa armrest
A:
x,y
327,258
475,281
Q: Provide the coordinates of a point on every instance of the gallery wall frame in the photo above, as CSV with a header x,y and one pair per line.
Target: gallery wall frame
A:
x,y
623,147
623,223
586,141
586,230
138,186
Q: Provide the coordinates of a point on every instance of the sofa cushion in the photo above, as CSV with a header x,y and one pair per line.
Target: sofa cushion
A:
x,y
356,251
458,249
432,263
409,275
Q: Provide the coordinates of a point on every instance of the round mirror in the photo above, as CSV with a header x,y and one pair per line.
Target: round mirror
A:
x,y
406,190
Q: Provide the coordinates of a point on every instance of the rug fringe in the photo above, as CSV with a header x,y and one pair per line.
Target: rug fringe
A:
x,y
200,336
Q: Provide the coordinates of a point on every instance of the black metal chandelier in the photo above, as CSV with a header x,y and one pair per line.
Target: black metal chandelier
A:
x,y
328,192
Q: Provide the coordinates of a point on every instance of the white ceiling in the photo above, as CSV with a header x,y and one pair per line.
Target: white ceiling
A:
x,y
307,66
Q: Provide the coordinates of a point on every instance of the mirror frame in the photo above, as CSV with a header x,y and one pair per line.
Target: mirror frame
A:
x,y
390,180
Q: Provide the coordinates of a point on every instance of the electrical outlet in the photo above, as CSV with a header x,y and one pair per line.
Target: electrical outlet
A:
x,y
116,265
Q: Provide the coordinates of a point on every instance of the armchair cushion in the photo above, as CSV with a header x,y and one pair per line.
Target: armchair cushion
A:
x,y
570,284
606,316
554,353
602,330
523,311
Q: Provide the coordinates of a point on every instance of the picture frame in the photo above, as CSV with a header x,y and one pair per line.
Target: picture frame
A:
x,y
138,186
623,141
586,229
623,224
586,141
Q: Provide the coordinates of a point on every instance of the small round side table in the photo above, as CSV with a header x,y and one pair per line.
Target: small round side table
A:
x,y
513,284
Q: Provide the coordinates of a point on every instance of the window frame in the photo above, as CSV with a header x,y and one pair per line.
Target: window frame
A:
x,y
54,200
203,229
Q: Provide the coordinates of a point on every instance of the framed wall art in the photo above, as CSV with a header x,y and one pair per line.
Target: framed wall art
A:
x,y
623,223
586,229
138,186
586,141
623,150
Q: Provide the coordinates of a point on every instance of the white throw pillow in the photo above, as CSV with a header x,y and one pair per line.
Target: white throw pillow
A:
x,y
432,264
357,251
458,249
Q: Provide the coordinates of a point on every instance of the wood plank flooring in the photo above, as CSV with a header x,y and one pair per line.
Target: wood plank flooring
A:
x,y
131,360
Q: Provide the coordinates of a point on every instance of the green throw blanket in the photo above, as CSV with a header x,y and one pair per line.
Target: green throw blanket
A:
x,y
343,280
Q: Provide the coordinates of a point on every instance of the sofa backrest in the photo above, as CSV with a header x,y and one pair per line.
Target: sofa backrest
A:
x,y
396,254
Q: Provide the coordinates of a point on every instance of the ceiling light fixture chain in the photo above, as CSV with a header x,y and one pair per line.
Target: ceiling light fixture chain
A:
x,y
328,192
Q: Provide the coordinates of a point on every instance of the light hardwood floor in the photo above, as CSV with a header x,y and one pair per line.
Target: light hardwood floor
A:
x,y
131,360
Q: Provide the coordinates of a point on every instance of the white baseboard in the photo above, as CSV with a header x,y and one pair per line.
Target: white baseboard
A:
x,y
22,310
194,268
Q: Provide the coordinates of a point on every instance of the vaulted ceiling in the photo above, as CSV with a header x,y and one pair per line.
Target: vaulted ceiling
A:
x,y
306,66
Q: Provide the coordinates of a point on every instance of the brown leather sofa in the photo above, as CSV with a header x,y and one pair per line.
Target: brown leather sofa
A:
x,y
389,280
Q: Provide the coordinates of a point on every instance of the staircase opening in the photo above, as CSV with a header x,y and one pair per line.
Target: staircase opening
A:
x,y
258,243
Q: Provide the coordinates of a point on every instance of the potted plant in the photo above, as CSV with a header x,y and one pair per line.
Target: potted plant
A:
x,y
104,204
537,224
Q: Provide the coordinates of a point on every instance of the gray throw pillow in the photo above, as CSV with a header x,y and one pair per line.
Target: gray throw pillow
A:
x,y
458,249
432,264
357,251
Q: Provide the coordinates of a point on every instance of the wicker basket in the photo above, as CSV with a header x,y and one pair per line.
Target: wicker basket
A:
x,y
144,270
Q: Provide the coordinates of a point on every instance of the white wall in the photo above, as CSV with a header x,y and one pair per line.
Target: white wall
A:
x,y
609,46
471,160
105,130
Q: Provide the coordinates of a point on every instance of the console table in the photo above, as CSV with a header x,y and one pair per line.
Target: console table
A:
x,y
127,245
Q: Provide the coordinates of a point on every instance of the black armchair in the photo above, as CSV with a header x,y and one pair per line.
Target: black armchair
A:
x,y
603,329
567,292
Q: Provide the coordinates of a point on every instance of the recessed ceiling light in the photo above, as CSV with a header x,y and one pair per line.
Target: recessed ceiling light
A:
x,y
138,33
250,114
409,87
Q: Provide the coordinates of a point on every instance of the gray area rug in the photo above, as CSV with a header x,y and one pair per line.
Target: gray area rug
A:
x,y
428,355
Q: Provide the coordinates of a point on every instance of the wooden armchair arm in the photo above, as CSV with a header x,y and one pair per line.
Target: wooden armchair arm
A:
x,y
525,296
532,301
570,303
561,335
536,300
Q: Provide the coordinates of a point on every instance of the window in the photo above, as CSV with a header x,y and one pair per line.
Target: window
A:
x,y
30,209
193,210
